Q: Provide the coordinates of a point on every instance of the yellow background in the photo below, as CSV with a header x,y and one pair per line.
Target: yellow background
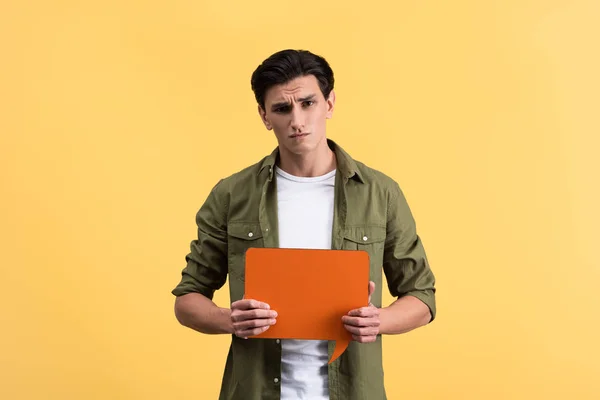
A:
x,y
116,119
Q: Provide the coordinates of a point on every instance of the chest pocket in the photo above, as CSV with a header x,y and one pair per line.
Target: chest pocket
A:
x,y
370,238
240,237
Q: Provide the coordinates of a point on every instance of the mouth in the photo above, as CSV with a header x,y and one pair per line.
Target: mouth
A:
x,y
298,135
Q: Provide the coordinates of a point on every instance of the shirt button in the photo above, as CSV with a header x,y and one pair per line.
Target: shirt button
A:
x,y
365,238
276,380
250,234
278,341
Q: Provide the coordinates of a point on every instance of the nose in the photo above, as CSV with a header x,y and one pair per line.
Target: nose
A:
x,y
297,119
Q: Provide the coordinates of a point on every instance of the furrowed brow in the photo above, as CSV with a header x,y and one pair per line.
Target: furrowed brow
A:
x,y
307,98
281,104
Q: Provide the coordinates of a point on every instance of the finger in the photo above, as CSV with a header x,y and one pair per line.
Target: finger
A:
x,y
252,332
253,323
244,333
249,304
239,315
363,331
365,312
358,321
371,289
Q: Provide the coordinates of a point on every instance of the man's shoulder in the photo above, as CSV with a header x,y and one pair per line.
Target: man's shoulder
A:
x,y
375,177
244,178
366,173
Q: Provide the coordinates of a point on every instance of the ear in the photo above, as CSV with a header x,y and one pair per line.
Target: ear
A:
x,y
330,104
263,117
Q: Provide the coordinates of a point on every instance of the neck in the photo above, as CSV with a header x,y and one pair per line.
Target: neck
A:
x,y
316,163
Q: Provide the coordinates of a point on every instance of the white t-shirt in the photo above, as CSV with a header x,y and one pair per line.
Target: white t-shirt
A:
x,y
305,217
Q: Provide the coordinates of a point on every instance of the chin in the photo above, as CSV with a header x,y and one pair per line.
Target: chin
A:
x,y
300,148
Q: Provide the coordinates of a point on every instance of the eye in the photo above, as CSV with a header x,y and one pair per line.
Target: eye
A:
x,y
282,109
308,103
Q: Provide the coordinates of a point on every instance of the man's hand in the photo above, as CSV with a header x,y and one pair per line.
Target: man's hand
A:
x,y
251,317
363,322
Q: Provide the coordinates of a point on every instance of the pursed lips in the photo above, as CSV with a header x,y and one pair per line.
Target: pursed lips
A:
x,y
295,135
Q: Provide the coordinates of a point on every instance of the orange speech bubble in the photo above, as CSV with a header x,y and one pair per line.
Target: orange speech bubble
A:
x,y
311,290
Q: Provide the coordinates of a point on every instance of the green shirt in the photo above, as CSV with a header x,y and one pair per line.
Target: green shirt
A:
x,y
370,214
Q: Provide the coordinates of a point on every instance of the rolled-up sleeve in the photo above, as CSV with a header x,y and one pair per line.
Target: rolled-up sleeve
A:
x,y
206,269
404,262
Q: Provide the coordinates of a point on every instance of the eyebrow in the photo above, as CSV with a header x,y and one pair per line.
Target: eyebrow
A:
x,y
286,104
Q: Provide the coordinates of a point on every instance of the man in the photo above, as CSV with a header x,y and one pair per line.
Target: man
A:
x,y
309,193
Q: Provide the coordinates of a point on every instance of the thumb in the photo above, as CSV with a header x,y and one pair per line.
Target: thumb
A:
x,y
371,290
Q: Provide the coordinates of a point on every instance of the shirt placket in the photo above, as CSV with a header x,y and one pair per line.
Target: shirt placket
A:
x,y
339,224
268,223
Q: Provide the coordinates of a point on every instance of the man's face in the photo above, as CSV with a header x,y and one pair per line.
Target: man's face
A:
x,y
297,112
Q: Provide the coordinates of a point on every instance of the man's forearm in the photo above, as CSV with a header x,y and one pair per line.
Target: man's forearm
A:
x,y
403,315
197,312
